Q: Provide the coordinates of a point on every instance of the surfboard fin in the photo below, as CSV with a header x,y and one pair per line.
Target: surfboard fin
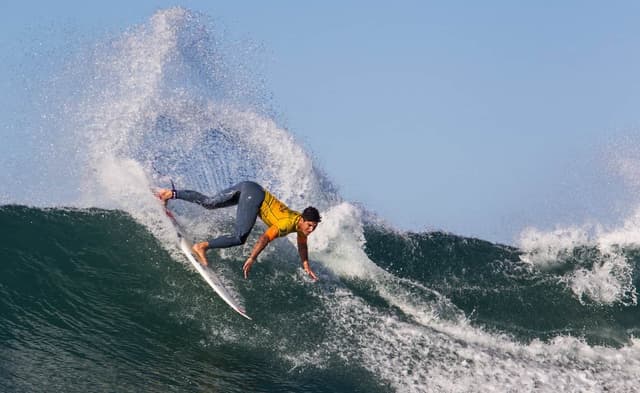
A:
x,y
173,189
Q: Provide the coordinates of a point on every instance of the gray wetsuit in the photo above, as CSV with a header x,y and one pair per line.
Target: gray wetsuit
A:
x,y
247,195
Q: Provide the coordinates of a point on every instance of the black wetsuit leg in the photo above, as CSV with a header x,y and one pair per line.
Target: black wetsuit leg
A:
x,y
247,195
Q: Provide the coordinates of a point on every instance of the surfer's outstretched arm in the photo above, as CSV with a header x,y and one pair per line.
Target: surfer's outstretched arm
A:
x,y
303,251
257,249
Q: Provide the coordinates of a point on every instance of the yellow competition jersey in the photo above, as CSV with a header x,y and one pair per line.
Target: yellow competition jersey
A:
x,y
279,218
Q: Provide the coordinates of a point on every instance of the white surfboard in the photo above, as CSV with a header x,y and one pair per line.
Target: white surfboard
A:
x,y
206,273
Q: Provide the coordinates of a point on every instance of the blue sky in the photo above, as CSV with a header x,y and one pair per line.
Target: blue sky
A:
x,y
480,118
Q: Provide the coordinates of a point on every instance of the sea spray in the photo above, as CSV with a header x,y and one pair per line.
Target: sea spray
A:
x,y
592,261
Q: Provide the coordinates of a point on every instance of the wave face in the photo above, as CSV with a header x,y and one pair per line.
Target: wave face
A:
x,y
91,300
95,296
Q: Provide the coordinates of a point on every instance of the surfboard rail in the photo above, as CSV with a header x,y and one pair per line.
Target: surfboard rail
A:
x,y
207,274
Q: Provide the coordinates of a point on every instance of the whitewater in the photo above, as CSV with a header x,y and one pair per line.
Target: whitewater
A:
x,y
166,101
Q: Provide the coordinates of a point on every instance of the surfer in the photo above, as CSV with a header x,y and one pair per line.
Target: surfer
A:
x,y
253,201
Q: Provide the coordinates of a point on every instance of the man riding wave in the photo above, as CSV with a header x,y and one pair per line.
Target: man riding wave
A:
x,y
253,201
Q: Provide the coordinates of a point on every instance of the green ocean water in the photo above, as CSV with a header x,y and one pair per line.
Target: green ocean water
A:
x,y
91,301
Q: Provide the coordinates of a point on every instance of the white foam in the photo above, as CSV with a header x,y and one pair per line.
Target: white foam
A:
x,y
547,248
609,277
453,357
607,283
338,242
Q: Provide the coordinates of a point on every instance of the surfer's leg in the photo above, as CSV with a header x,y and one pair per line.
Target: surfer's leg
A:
x,y
250,198
224,198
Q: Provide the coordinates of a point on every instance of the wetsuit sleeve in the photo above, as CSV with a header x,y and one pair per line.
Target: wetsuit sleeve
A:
x,y
272,232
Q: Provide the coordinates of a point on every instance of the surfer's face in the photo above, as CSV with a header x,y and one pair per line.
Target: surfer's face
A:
x,y
307,227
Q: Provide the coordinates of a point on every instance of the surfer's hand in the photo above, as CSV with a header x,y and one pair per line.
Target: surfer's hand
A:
x,y
305,266
247,266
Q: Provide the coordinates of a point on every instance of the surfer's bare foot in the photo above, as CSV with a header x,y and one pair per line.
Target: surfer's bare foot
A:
x,y
164,195
200,249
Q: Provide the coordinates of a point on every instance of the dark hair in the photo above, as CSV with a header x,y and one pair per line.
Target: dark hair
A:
x,y
311,214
